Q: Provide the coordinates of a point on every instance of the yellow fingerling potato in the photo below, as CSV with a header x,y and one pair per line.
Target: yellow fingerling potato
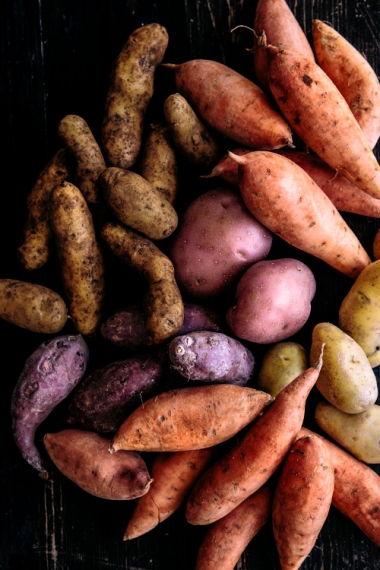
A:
x,y
80,257
130,91
282,363
32,306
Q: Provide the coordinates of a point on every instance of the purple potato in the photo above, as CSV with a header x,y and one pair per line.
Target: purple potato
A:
x,y
48,376
211,357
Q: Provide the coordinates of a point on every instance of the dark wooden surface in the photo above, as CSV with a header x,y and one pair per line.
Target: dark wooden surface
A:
x,y
55,59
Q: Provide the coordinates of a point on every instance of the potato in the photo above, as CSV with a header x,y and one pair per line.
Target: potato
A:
x,y
137,204
79,141
217,239
109,394
346,380
211,357
358,433
196,141
48,376
129,94
32,306
359,312
272,301
282,363
80,258
83,457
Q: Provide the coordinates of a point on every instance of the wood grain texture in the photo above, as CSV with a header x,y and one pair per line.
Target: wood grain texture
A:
x,y
55,60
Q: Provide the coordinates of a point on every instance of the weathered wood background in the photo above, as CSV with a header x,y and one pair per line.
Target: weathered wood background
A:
x,y
55,59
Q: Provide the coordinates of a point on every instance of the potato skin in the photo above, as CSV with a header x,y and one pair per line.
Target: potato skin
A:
x,y
109,394
282,363
48,376
78,139
83,457
130,91
80,258
32,306
137,204
35,248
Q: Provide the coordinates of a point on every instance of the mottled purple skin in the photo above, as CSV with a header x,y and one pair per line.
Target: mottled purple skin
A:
x,y
108,395
211,357
126,327
48,377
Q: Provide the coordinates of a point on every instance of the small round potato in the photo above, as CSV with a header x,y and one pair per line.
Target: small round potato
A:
x,y
282,363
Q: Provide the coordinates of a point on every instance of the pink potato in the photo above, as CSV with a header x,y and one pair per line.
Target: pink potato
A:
x,y
272,301
217,239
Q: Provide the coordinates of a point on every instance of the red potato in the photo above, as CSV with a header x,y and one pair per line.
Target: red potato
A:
x,y
352,74
227,538
173,476
251,463
356,490
190,418
83,457
283,197
231,104
276,22
302,500
321,117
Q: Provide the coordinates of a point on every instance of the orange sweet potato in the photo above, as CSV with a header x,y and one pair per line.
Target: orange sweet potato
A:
x,y
190,418
321,117
302,500
284,198
251,463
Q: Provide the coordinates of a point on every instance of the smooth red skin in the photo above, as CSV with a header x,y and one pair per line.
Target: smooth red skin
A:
x,y
231,104
272,301
281,28
217,239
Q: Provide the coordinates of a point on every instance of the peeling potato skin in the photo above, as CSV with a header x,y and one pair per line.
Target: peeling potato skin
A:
x,y
35,248
137,204
78,139
159,162
163,304
32,306
192,137
130,91
80,257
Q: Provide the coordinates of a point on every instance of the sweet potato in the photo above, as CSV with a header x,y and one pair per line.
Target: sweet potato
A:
x,y
173,476
251,463
356,490
163,305
227,538
190,418
283,197
321,117
129,94
80,257
352,74
83,457
48,377
231,104
34,251
302,500
211,357
275,22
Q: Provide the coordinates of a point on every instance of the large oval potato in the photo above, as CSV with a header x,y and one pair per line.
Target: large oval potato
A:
x,y
346,380
272,301
217,239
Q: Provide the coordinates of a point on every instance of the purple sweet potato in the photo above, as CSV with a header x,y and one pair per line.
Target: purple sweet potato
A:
x,y
108,395
211,357
48,376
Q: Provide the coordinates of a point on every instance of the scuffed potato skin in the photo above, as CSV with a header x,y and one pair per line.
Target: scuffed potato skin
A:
x,y
80,257
32,306
130,91
163,304
34,251
78,139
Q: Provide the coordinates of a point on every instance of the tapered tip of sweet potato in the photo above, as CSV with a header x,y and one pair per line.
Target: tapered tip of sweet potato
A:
x,y
239,159
319,363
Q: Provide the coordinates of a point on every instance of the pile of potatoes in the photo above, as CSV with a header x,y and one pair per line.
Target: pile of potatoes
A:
x,y
228,433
